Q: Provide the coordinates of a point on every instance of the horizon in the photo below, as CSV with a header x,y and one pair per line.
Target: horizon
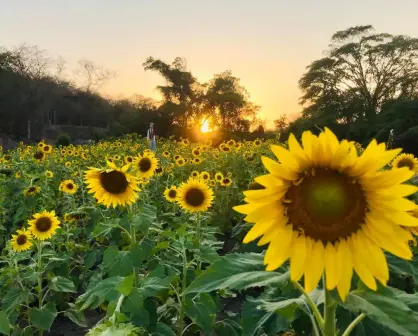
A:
x,y
259,42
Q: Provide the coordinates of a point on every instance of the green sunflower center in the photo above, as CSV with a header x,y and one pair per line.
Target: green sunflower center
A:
x,y
144,165
172,193
406,162
21,239
114,182
326,205
195,197
43,224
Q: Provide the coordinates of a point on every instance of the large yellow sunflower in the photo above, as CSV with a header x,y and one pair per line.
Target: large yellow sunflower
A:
x,y
406,160
21,241
170,194
43,225
325,208
194,195
68,187
112,186
145,165
46,148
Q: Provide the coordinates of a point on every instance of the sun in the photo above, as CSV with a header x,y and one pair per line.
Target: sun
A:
x,y
205,127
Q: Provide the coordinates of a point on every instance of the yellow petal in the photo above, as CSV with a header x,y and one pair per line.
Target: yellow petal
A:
x,y
314,266
297,257
332,267
279,250
279,170
345,259
285,157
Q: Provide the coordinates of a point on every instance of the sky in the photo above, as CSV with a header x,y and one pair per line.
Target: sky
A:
x,y
266,43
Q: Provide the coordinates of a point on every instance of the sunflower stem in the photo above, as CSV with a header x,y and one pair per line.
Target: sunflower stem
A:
x,y
311,305
199,264
132,237
330,307
353,324
184,285
40,273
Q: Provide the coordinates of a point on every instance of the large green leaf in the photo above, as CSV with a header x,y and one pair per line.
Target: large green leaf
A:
x,y
154,282
125,287
99,292
202,311
13,298
236,271
4,323
117,262
253,319
384,308
104,228
141,252
144,218
42,318
75,315
163,330
61,284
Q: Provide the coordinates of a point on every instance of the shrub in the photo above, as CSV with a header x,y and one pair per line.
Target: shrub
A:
x,y
63,140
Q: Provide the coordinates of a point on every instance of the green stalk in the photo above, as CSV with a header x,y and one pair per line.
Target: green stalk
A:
x,y
311,305
181,316
40,273
133,242
198,234
353,324
330,307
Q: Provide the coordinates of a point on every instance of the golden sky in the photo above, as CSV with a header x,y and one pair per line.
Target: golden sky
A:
x,y
266,43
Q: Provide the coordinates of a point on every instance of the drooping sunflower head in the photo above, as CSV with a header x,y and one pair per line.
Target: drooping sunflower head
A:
x,y
31,191
406,160
324,207
145,165
194,196
113,186
21,241
44,225
170,194
68,187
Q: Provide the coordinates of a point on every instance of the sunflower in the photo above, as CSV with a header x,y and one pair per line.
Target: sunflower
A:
x,y
205,176
18,174
145,165
324,208
219,177
194,196
257,143
68,187
406,160
129,159
39,155
159,171
84,156
7,157
166,154
197,160
49,174
113,186
196,152
21,241
43,225
194,174
68,164
185,142
180,162
47,148
212,183
226,182
32,191
170,194
176,157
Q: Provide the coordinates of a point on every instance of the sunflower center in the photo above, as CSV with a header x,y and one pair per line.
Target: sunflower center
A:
x,y
144,164
172,193
31,189
195,197
406,163
43,224
22,239
70,186
46,148
114,182
129,159
38,155
326,205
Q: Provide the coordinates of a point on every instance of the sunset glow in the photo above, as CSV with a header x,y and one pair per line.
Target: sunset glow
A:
x,y
205,127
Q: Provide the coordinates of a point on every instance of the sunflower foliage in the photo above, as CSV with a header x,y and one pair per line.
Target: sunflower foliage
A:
x,y
150,243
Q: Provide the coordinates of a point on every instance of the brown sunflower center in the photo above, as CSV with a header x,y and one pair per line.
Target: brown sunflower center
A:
x,y
7,157
226,180
172,193
195,197
144,165
326,205
114,182
205,176
38,155
43,224
31,189
129,159
180,161
46,148
159,170
406,162
70,186
21,239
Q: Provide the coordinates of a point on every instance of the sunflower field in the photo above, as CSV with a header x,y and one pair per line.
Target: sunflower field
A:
x,y
264,237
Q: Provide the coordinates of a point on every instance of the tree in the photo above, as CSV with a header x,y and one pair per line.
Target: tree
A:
x,y
282,123
362,71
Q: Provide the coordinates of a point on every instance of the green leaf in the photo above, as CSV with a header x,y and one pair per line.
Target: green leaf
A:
x,y
4,323
13,298
154,283
104,228
62,284
145,218
75,315
227,328
253,319
117,262
125,287
160,246
236,271
99,292
44,317
384,308
202,310
141,252
163,330
208,254
90,259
